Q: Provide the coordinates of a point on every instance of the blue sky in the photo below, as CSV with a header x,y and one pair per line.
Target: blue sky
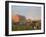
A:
x,y
27,11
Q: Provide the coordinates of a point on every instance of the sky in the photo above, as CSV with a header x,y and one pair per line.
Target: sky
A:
x,y
27,11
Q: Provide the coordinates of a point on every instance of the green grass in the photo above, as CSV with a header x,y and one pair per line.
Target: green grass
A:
x,y
20,28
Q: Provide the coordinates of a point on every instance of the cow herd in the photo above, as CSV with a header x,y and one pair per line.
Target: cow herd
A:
x,y
28,25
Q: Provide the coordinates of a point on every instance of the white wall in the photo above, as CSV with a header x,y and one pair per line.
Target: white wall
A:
x,y
2,19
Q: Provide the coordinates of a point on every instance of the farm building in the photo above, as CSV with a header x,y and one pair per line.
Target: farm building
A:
x,y
18,18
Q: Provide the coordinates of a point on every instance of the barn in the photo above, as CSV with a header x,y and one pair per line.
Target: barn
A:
x,y
18,18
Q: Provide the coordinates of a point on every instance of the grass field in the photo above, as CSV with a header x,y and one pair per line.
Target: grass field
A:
x,y
16,28
24,27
